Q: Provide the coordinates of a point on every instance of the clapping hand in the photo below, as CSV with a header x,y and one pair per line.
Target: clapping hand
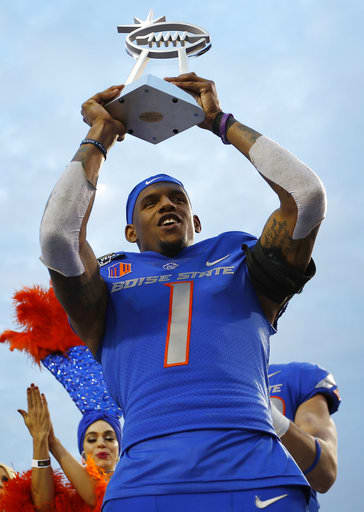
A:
x,y
37,418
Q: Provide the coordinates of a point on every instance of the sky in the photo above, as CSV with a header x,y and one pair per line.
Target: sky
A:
x,y
292,70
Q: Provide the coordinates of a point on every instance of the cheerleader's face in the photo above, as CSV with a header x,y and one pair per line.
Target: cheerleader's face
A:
x,y
101,444
3,479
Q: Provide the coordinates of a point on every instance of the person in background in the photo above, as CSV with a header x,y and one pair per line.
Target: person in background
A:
x,y
99,438
303,397
43,490
47,337
6,474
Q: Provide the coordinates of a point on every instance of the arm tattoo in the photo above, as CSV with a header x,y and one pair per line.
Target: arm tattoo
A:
x,y
249,133
277,240
277,235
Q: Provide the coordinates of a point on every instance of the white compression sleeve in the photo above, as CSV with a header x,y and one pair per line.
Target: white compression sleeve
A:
x,y
281,167
280,422
62,221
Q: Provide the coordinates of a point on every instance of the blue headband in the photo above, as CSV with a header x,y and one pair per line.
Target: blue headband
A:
x,y
90,417
133,196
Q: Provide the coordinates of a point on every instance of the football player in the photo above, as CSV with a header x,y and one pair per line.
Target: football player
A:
x,y
303,396
182,329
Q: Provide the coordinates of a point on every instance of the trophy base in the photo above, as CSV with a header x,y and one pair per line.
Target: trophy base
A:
x,y
154,110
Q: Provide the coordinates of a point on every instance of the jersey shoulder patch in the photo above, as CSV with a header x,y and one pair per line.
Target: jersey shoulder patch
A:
x,y
108,258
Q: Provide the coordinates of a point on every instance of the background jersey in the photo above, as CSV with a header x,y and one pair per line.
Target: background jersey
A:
x,y
186,349
294,383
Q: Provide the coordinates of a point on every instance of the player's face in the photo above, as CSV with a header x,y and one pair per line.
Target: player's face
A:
x,y
163,220
101,444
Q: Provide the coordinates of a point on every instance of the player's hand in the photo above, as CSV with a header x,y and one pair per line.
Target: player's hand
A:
x,y
204,92
37,418
93,110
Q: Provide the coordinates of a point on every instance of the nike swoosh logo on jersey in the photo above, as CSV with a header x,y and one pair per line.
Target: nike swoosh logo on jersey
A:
x,y
275,373
148,182
265,503
211,263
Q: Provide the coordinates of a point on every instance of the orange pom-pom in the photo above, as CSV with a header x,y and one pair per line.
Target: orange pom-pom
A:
x,y
18,497
101,480
45,323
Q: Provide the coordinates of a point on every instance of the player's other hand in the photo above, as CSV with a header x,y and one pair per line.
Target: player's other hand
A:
x,y
204,92
93,110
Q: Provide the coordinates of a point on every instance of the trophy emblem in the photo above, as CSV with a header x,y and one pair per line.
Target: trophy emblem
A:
x,y
149,107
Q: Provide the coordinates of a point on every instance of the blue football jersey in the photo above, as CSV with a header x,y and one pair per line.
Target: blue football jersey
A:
x,y
185,355
294,383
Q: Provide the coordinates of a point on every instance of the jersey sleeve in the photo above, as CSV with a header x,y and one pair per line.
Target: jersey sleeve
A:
x,y
110,265
316,380
248,239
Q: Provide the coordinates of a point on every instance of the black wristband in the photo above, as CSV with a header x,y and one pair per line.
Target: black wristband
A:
x,y
96,143
216,123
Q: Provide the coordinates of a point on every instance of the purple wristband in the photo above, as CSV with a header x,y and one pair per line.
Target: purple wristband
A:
x,y
222,128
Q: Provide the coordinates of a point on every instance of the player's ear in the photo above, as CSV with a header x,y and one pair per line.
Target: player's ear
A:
x,y
197,224
130,233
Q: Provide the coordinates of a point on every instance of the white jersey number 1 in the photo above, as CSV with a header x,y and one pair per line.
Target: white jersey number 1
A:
x,y
179,323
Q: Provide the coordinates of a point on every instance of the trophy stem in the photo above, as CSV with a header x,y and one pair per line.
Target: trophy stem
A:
x,y
182,60
139,67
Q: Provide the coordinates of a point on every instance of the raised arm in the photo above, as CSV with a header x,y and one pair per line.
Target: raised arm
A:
x,y
38,423
283,252
65,251
74,471
312,426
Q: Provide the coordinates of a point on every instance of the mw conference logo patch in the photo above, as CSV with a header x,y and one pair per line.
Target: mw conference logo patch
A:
x,y
119,270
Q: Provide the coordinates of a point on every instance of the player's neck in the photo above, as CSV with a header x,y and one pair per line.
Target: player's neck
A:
x,y
169,250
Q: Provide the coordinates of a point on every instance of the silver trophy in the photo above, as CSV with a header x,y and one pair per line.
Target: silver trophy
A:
x,y
149,107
